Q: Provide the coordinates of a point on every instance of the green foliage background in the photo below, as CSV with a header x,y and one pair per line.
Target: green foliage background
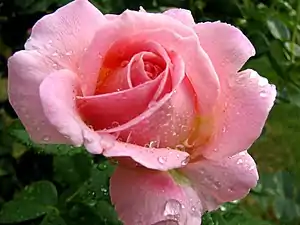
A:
x,y
61,185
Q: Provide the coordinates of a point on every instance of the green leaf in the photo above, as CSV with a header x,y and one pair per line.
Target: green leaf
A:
x,y
52,218
278,29
72,170
293,48
34,201
21,210
22,136
42,192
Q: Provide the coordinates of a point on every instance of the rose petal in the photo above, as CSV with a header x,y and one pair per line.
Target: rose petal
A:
x,y
244,108
107,110
153,158
64,35
176,37
147,197
222,181
183,15
57,92
26,71
229,53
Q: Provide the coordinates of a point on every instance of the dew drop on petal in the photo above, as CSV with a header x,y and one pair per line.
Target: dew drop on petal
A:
x,y
180,147
263,94
172,208
151,104
55,54
240,161
46,138
185,161
162,159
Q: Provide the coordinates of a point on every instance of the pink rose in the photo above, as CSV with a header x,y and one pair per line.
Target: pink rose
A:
x,y
156,89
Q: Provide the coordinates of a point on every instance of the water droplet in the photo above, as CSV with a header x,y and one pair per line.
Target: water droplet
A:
x,y
115,124
69,53
46,138
230,189
216,185
240,161
193,208
162,159
54,54
54,65
152,104
180,148
252,167
124,63
85,49
67,136
215,149
154,144
172,209
185,161
263,94
224,129
103,190
50,42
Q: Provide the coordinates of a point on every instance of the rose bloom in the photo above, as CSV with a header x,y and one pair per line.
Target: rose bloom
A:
x,y
159,93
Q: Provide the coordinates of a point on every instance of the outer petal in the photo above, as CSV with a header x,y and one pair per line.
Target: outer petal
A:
x,y
183,15
26,71
244,108
147,197
64,35
222,181
153,158
227,47
57,92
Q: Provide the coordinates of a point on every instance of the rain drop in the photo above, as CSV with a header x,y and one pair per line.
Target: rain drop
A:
x,y
162,159
180,148
224,129
115,124
263,94
55,54
46,138
151,104
240,161
69,53
154,144
185,161
172,208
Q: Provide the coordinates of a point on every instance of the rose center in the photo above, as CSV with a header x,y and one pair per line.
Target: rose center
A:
x,y
152,69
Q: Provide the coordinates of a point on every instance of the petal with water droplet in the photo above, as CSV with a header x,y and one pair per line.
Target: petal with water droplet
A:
x,y
167,202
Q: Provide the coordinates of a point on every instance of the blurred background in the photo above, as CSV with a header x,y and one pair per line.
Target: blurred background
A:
x,y
61,185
